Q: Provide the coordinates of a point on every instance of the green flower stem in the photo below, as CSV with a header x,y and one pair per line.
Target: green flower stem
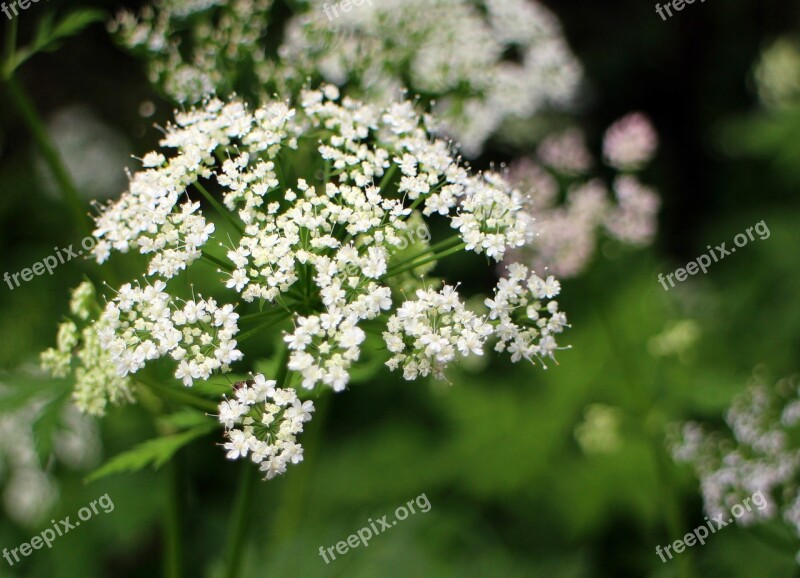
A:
x,y
261,314
224,213
11,48
241,508
239,519
673,518
173,560
283,365
387,177
417,202
286,314
180,396
446,244
294,497
218,262
420,199
434,257
49,152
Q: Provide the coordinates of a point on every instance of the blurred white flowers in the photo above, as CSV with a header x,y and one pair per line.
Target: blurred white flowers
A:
x,y
630,143
30,488
600,432
484,63
777,73
761,455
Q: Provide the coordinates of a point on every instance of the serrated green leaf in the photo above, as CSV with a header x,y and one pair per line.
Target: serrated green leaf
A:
x,y
155,452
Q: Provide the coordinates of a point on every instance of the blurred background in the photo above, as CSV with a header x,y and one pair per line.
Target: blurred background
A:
x,y
556,473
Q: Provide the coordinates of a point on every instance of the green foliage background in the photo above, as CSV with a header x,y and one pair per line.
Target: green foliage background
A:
x,y
512,491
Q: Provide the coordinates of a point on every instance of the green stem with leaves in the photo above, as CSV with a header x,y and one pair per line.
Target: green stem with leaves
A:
x,y
293,500
447,243
277,320
238,526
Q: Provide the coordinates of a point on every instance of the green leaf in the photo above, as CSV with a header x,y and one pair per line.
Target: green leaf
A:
x,y
45,425
155,452
44,30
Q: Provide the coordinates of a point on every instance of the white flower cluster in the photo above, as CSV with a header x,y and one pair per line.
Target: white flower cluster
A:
x,y
262,421
572,208
154,216
526,325
325,346
316,205
96,382
426,333
763,455
144,324
484,62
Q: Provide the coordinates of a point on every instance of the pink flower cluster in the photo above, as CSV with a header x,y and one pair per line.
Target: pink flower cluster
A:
x,y
574,209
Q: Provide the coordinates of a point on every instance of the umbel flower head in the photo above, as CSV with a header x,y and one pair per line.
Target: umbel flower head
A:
x,y
262,421
310,218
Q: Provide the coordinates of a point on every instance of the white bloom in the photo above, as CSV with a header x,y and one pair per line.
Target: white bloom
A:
x,y
426,333
281,415
519,310
147,324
